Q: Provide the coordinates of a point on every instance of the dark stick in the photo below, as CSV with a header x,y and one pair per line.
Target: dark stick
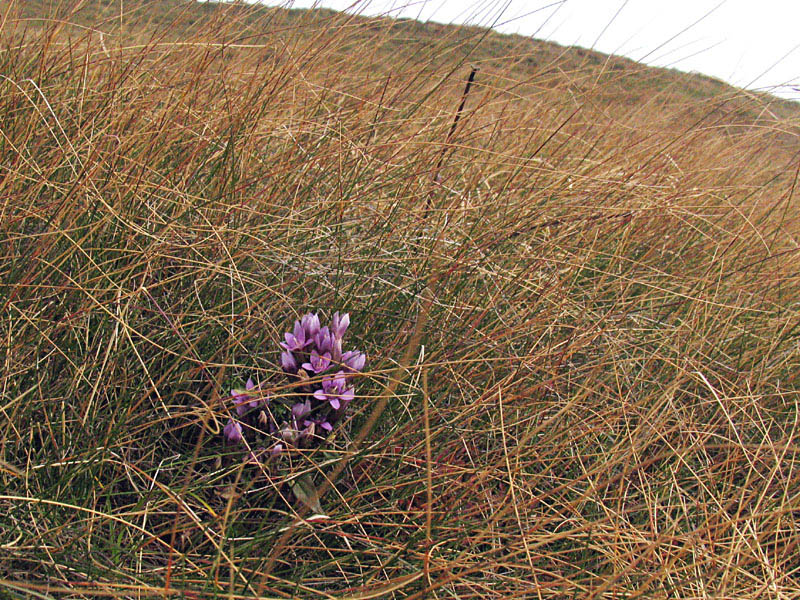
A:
x,y
450,133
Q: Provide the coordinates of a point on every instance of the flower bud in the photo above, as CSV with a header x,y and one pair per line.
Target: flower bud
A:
x,y
288,362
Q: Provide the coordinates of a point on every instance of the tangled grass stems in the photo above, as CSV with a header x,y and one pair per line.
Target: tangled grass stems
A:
x,y
605,286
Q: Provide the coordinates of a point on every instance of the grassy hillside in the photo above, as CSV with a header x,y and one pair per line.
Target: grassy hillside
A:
x,y
576,286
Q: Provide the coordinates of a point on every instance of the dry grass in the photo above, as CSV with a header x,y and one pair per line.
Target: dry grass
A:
x,y
593,330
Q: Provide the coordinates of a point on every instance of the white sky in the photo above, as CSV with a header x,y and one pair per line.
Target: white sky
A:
x,y
749,43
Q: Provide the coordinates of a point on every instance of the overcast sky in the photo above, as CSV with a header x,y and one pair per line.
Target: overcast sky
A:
x,y
749,43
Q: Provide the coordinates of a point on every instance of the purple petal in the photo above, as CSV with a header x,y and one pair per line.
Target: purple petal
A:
x,y
249,385
326,426
288,363
340,380
334,403
300,335
354,360
328,384
360,362
301,409
258,402
320,395
239,397
339,324
320,362
233,431
310,323
323,340
347,395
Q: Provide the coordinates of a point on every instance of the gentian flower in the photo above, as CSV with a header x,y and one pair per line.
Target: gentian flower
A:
x,y
310,323
353,360
318,362
334,390
324,340
319,423
301,409
242,399
296,340
288,363
233,431
339,324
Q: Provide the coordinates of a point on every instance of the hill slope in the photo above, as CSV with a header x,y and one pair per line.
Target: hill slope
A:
x,y
400,40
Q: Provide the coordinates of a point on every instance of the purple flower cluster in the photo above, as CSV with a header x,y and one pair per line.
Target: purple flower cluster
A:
x,y
313,358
